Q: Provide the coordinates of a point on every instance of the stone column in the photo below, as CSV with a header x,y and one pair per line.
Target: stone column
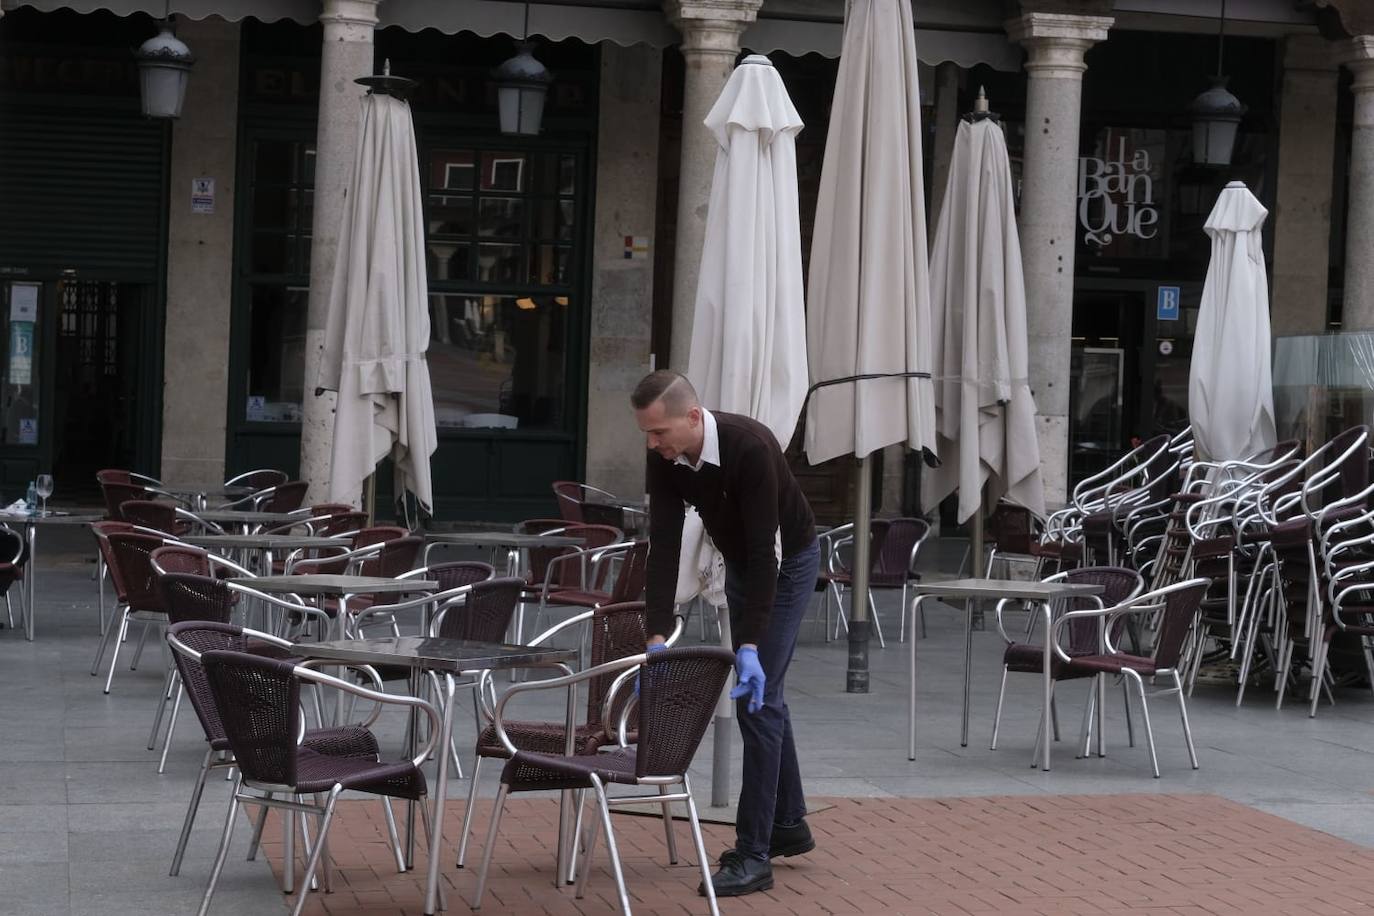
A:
x,y
347,55
622,287
946,127
200,250
1055,44
1302,218
1358,311
710,43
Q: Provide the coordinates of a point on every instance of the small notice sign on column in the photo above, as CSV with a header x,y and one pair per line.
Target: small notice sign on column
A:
x,y
202,195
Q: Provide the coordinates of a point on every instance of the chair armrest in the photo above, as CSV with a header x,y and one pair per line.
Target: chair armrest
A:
x,y
436,725
368,670
566,680
298,606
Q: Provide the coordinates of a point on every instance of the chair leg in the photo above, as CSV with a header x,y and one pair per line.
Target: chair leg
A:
x,y
426,821
901,616
191,813
223,850
1085,733
171,727
1319,659
256,840
877,621
1054,716
467,813
701,847
1187,730
114,652
668,836
588,850
611,845
169,684
491,845
315,854
1126,705
391,834
9,610
100,587
138,651
580,803
100,650
997,716
1285,662
1145,714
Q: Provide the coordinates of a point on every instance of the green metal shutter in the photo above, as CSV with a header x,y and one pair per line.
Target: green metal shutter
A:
x,y
81,190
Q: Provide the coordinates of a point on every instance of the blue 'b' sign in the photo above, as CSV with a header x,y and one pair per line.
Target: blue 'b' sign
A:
x,y
1167,304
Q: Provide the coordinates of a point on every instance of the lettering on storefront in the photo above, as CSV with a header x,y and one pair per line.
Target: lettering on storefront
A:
x,y
1117,193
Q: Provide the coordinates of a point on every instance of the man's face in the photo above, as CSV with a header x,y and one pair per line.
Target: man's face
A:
x,y
669,436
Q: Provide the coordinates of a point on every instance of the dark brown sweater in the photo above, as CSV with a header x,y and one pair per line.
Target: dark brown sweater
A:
x,y
744,503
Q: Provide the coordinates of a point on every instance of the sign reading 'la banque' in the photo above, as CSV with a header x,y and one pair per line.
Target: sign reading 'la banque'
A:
x,y
1117,194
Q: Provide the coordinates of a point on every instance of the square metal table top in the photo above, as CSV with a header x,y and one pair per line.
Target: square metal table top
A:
x,y
434,653
324,584
1004,588
244,516
503,539
53,517
263,541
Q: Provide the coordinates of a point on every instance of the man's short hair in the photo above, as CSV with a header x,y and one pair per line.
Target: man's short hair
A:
x,y
676,393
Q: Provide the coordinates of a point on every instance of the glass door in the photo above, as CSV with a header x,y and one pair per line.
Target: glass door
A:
x,y
1095,409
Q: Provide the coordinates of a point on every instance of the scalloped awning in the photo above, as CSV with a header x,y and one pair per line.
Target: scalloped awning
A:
x,y
591,24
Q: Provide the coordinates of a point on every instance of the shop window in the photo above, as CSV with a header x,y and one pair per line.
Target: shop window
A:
x,y
501,262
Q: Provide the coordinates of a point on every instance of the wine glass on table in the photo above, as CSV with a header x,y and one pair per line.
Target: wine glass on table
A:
x,y
44,487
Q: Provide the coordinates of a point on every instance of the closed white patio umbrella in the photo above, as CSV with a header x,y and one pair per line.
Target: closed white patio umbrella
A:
x,y
378,328
869,288
748,353
1230,383
985,415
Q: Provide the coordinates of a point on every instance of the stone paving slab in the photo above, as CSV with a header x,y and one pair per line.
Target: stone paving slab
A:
x,y
1066,854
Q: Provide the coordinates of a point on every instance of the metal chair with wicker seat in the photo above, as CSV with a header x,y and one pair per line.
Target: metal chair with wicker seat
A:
x,y
284,497
678,692
896,545
258,702
130,559
564,589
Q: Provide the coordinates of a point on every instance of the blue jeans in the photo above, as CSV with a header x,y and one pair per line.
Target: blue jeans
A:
x,y
771,789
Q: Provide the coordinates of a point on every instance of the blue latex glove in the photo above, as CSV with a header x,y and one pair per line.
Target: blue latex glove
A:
x,y
751,678
650,650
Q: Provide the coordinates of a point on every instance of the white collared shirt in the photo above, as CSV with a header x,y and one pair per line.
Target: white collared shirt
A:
x,y
710,445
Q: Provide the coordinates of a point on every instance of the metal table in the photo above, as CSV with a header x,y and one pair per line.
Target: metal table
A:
x,y
31,524
972,591
199,497
448,657
269,544
513,543
245,519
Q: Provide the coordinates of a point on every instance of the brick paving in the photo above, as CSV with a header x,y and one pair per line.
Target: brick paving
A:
x,y
1071,854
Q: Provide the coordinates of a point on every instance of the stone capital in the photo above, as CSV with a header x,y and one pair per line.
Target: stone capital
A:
x,y
1358,57
711,26
1310,52
1056,42
350,13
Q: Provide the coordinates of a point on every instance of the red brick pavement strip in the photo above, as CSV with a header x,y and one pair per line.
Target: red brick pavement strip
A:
x,y
1181,855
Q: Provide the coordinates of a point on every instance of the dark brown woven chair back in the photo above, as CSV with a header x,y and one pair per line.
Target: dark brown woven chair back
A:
x,y
1270,455
678,691
618,631
377,534
259,705
486,613
113,475
346,522
205,636
132,556
396,556
262,480
1179,610
1011,529
459,573
102,532
193,598
181,559
569,496
116,494
632,575
147,513
1118,584
286,497
540,557
894,559
569,574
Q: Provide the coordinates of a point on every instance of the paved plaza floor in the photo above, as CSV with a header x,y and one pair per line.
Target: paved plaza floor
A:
x,y
88,826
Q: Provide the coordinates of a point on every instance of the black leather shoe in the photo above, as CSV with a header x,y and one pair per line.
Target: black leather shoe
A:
x,y
739,875
795,840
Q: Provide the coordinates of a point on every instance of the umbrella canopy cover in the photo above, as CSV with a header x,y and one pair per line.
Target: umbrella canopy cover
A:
x,y
378,327
985,414
748,352
869,287
1230,386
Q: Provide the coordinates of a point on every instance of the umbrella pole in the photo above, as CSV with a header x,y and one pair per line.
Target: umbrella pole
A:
x,y
856,677
370,499
976,569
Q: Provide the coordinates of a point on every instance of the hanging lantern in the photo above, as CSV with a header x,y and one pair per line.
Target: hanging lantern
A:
x,y
521,84
164,65
1216,118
